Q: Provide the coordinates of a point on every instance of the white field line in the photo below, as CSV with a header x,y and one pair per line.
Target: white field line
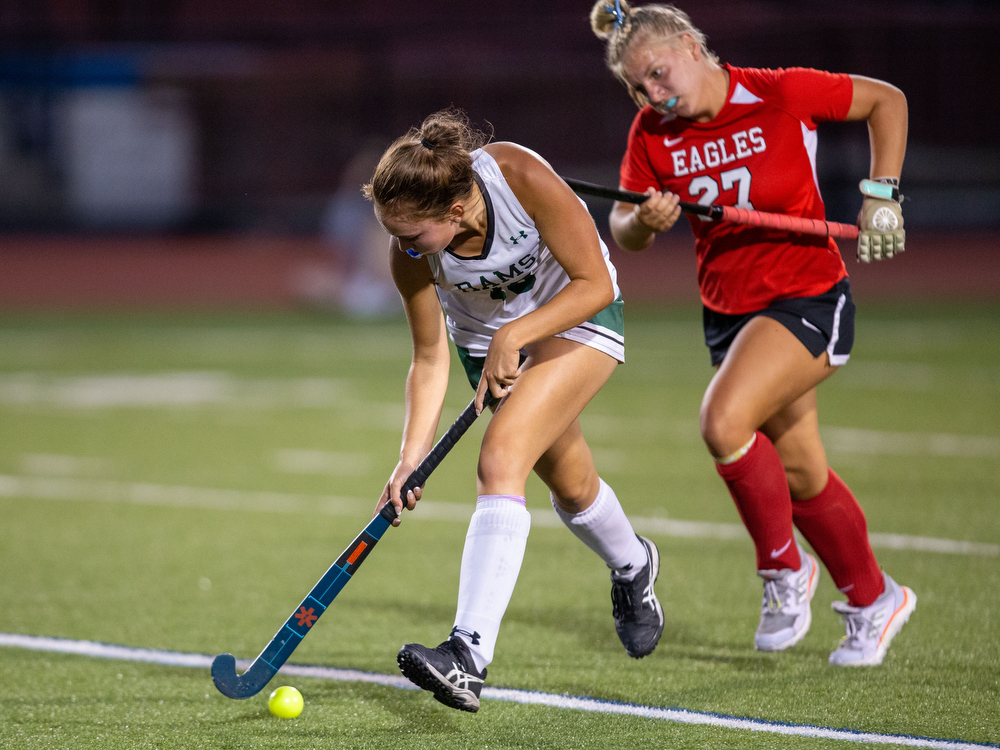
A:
x,y
332,463
835,439
161,495
878,442
526,697
201,389
171,390
909,377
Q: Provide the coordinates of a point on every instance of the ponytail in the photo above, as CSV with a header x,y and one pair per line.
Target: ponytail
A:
x,y
425,171
621,26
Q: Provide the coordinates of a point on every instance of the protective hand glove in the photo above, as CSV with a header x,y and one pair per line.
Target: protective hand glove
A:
x,y
880,223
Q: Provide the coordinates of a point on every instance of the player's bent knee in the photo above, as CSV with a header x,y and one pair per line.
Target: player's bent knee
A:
x,y
806,482
501,468
569,505
575,496
722,430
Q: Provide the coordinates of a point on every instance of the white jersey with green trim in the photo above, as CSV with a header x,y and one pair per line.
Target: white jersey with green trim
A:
x,y
514,275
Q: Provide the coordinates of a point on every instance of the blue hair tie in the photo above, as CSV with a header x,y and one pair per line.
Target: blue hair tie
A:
x,y
617,12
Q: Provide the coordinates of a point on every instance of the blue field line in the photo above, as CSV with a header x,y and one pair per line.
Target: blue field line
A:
x,y
99,650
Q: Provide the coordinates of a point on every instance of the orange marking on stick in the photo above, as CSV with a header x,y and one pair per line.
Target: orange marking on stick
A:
x,y
306,616
357,551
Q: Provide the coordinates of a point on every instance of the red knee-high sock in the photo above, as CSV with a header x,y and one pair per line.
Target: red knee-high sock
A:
x,y
835,526
760,490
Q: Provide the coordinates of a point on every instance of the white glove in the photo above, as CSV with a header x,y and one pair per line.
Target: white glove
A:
x,y
880,222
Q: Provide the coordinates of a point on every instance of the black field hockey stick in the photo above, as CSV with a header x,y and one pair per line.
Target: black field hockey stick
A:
x,y
728,213
287,639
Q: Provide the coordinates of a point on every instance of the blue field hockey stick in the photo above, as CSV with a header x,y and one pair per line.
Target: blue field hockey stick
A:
x,y
287,639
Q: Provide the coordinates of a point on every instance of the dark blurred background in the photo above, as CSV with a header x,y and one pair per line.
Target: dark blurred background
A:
x,y
241,118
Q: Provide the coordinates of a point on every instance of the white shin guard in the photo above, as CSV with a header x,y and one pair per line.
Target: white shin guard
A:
x,y
491,561
605,528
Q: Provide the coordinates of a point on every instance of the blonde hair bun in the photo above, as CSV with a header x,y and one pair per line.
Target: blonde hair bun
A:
x,y
644,24
602,17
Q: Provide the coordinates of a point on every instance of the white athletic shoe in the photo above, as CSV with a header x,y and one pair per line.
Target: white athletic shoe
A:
x,y
871,629
785,615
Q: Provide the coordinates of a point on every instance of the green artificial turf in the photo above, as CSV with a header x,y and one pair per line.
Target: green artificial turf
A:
x,y
172,521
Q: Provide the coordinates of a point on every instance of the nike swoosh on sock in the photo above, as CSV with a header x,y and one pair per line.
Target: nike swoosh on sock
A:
x,y
777,552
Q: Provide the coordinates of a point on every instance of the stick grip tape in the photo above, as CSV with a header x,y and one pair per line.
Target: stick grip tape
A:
x,y
729,213
435,457
789,223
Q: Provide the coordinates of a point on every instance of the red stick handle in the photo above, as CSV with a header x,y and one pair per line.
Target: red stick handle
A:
x,y
789,223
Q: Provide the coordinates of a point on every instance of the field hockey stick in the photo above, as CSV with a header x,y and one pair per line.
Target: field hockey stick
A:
x,y
287,639
729,213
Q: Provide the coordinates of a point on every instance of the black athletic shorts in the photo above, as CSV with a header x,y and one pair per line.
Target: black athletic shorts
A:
x,y
824,323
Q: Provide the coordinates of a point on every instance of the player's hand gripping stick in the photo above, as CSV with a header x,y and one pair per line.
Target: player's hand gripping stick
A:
x,y
432,459
729,213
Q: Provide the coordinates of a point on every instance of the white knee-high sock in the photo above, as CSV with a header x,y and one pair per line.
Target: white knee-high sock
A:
x,y
605,528
494,549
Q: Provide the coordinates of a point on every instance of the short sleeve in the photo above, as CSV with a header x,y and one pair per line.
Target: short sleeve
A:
x,y
637,171
815,96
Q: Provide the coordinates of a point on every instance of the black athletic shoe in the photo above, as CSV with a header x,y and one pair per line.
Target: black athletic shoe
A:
x,y
637,611
448,671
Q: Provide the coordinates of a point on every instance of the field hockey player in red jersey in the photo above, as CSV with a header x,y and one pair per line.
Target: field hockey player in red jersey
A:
x,y
492,249
778,313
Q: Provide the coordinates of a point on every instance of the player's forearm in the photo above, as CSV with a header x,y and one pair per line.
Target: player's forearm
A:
x,y
887,128
426,384
884,107
629,233
575,303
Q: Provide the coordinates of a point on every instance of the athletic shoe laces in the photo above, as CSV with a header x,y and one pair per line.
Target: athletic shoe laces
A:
x,y
785,588
860,627
772,595
622,599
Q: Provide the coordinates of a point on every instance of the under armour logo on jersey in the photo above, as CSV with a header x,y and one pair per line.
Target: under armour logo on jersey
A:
x,y
473,636
520,235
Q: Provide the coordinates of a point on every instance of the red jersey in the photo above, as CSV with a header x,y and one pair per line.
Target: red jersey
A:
x,y
758,153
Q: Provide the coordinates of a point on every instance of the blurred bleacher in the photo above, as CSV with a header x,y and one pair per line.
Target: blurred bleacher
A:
x,y
203,136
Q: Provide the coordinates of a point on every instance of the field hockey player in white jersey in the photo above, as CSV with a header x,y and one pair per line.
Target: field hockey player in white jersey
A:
x,y
491,247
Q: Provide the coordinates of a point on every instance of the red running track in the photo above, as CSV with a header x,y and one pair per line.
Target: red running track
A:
x,y
65,273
